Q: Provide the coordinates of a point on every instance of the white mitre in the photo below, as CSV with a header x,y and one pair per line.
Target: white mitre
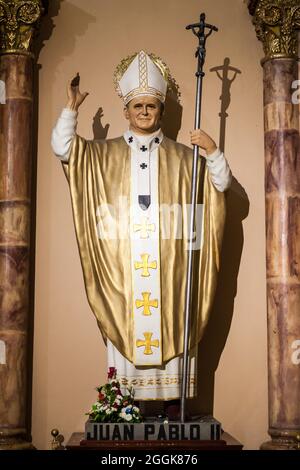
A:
x,y
142,78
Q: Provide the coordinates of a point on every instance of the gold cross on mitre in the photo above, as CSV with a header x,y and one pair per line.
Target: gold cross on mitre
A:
x,y
146,303
144,227
147,343
145,265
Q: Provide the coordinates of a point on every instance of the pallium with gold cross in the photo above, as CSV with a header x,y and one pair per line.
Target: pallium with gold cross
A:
x,y
145,258
147,343
144,265
144,228
146,303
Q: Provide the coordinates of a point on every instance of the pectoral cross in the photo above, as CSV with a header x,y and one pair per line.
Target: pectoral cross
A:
x,y
147,343
144,265
146,303
144,228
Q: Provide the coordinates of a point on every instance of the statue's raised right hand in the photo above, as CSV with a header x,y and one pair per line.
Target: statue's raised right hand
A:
x,y
75,98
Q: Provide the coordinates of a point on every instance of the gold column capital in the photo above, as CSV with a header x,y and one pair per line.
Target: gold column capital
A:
x,y
276,23
19,21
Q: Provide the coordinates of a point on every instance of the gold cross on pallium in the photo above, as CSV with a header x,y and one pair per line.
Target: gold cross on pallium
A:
x,y
147,343
146,303
144,227
145,265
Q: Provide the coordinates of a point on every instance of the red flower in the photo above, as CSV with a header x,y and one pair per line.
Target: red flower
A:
x,y
112,373
101,396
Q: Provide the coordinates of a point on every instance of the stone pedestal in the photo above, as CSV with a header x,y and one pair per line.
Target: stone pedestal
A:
x,y
227,442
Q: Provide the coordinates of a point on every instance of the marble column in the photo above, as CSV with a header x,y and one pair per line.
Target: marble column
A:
x,y
276,23
18,21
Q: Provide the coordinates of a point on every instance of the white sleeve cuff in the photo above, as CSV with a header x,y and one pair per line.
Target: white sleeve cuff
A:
x,y
219,170
213,156
68,113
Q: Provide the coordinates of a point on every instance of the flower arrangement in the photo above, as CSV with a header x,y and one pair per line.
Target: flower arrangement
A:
x,y
112,406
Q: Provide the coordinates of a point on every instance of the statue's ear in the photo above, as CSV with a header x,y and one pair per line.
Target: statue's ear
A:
x,y
125,111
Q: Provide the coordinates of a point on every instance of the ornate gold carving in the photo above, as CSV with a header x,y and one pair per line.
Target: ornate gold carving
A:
x,y
252,4
19,20
276,23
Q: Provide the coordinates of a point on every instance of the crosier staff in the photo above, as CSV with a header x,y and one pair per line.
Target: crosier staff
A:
x,y
199,31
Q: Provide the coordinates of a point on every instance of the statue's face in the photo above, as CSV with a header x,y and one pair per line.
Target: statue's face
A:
x,y
144,114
